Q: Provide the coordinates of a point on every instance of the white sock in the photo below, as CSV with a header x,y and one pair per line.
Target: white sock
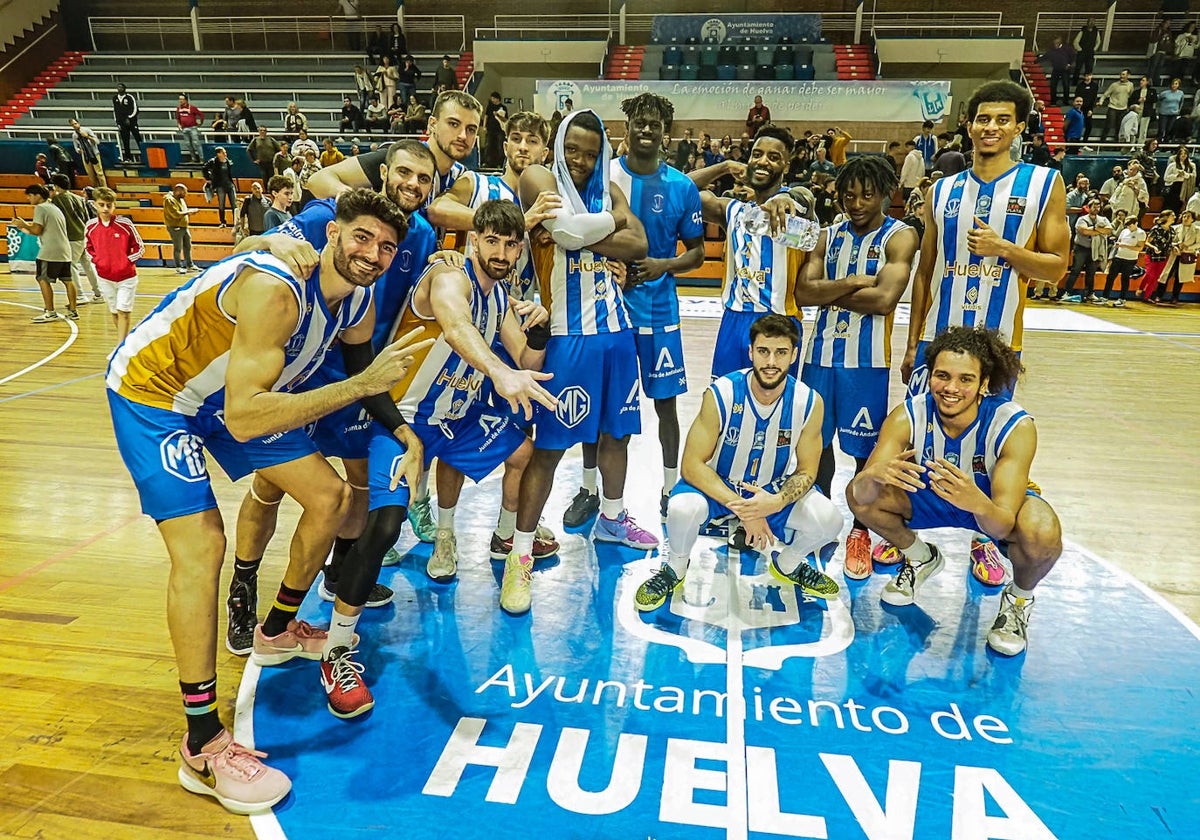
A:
x,y
446,518
670,478
589,479
506,524
423,486
611,508
678,563
917,553
789,561
341,631
1018,592
523,542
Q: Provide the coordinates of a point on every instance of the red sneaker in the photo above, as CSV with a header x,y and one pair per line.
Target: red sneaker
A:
x,y
342,680
858,555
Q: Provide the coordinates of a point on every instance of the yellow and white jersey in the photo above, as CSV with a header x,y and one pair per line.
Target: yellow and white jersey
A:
x,y
760,273
579,290
440,385
969,290
177,356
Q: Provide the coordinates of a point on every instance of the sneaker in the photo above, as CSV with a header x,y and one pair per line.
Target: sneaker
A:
x,y
443,562
811,582
858,555
181,271
625,531
44,318
653,593
1118,303
242,607
583,507
737,539
380,595
886,554
544,545
420,517
1011,626
986,565
1072,299
392,557
73,314
1097,300
84,300
515,587
341,677
232,774
299,639
901,590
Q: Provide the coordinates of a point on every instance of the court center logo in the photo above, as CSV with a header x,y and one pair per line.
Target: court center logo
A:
x,y
574,404
183,456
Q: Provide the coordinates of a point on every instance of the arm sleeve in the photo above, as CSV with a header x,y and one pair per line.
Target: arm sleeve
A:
x,y
380,406
370,164
574,231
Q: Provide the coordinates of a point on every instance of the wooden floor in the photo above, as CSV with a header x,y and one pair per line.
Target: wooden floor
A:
x,y
89,706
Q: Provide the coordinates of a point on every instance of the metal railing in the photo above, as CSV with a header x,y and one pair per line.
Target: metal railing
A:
x,y
28,46
911,24
542,33
1130,32
280,33
943,29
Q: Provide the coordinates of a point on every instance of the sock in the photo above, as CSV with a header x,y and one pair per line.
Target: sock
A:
x,y
287,604
611,508
1018,592
670,478
341,631
678,563
506,524
245,571
423,486
523,542
917,553
788,561
589,480
446,518
200,705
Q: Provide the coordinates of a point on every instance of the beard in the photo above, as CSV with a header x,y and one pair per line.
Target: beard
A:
x,y
769,384
353,273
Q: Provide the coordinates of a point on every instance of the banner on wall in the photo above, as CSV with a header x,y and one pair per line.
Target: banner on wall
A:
x,y
825,102
754,29
22,250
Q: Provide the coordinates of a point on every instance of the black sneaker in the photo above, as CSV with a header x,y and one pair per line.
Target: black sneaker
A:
x,y
738,540
243,616
380,595
583,507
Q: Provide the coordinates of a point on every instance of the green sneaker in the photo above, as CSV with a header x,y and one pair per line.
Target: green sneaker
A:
x,y
392,557
420,516
653,593
811,582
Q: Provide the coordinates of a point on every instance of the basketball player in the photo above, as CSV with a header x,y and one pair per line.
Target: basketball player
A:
x,y
959,456
760,273
591,352
856,275
408,176
668,205
214,367
467,311
753,451
987,232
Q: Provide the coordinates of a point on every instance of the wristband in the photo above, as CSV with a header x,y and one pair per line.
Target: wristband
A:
x,y
537,337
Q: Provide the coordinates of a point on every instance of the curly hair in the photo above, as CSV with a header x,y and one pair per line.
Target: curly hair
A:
x,y
869,171
353,204
999,364
649,104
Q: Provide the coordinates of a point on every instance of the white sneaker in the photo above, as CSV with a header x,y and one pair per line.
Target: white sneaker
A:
x,y
1009,631
44,318
902,589
443,562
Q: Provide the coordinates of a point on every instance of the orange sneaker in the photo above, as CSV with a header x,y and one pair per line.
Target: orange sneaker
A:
x,y
858,555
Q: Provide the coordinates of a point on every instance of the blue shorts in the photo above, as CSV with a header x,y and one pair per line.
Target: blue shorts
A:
x,y
716,510
918,383
855,405
596,384
733,343
343,434
164,452
474,445
660,358
931,511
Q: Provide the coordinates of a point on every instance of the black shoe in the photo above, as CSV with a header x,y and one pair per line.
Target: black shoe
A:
x,y
738,539
243,616
583,507
380,595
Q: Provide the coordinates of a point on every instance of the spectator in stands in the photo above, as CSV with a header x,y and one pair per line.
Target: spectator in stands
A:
x,y
1109,187
386,80
75,213
353,24
252,220
1145,157
824,192
797,172
839,143
1039,153
376,115
188,117
1181,265
364,86
294,121
125,113
1085,43
60,159
293,175
416,117
1186,43
330,154
247,125
1036,121
395,115
377,46
1091,243
304,144
1062,60
1146,97
1128,131
950,160
821,165
1073,122
758,116
408,74
279,212
926,144
355,151
712,155
87,146
1160,242
310,168
445,76
352,117
397,45
1116,98
282,162
1162,47
913,169
41,168
227,122
218,172
1179,182
115,245
1088,89
175,218
1131,195
726,145
1170,105
895,153
495,116
685,152
1130,241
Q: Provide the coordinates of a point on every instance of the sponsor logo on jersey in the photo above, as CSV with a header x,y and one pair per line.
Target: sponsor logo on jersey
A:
x,y
983,205
732,435
657,202
182,456
597,265
1016,205
665,361
785,438
952,208
753,276
991,271
979,464
862,420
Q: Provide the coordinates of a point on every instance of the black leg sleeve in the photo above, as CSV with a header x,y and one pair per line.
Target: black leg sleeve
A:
x,y
361,568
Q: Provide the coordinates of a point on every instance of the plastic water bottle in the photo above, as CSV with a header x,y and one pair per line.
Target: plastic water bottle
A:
x,y
799,232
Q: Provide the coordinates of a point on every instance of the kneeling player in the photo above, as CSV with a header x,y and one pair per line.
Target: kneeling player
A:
x,y
753,451
974,453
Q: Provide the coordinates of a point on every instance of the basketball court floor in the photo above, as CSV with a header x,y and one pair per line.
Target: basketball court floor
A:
x,y
738,710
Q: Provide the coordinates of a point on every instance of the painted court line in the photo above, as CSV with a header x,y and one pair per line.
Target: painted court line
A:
x,y
65,553
62,349
46,388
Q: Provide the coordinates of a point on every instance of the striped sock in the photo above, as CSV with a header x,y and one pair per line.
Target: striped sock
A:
x,y
200,705
287,604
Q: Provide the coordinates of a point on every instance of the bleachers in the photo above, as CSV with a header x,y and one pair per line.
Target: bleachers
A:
x,y
752,62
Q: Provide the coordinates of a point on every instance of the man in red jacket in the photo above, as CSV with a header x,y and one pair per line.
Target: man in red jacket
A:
x,y
189,117
115,247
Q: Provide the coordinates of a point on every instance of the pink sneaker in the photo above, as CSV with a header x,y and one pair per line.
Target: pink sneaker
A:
x,y
886,554
300,639
986,565
625,531
233,775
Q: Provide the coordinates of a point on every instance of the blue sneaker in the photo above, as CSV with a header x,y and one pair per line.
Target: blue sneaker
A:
x,y
625,531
